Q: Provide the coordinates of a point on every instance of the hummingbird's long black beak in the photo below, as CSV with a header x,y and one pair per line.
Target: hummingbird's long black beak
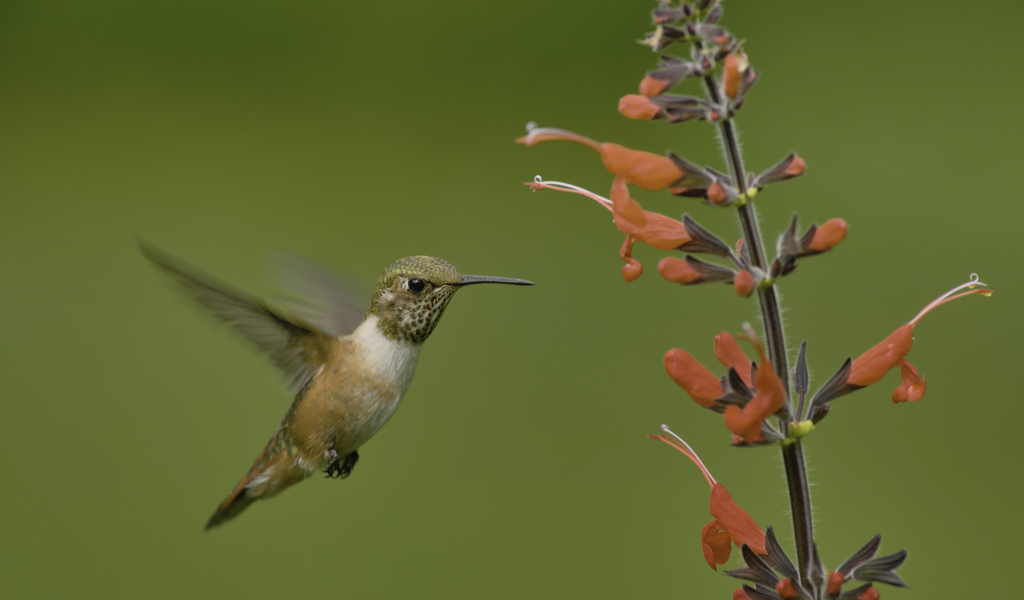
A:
x,y
470,279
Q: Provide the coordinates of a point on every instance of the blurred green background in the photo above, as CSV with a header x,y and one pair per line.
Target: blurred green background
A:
x,y
358,133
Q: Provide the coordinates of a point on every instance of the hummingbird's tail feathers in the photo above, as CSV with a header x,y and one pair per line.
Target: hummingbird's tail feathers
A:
x,y
231,507
272,473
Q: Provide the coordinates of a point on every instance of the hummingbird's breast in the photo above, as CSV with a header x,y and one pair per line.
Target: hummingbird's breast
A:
x,y
356,392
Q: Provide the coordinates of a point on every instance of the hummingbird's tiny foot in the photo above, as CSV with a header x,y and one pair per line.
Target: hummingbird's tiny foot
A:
x,y
334,466
349,464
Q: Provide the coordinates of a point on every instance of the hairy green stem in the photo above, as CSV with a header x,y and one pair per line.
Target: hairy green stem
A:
x,y
792,454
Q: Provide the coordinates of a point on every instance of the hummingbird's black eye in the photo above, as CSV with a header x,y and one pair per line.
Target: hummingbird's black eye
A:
x,y
417,285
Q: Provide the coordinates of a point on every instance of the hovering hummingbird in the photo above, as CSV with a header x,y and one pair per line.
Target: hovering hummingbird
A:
x,y
349,371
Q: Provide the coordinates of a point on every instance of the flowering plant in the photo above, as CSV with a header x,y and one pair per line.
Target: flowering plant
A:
x,y
766,402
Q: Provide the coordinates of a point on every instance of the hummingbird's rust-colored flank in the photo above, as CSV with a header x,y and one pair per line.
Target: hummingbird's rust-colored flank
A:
x,y
350,379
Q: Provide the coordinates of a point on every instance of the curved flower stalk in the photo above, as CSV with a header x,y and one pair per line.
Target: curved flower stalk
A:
x,y
763,402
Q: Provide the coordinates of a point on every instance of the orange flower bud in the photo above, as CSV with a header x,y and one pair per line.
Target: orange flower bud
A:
x,y
715,543
716,193
829,235
835,583
795,168
740,594
649,171
744,283
870,594
652,86
638,108
785,589
728,352
735,64
677,270
690,375
913,386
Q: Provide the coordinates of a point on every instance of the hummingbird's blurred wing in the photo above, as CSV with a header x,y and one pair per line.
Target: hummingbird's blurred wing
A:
x,y
297,348
318,295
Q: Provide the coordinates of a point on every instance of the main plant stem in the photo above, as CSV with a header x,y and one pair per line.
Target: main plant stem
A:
x,y
792,453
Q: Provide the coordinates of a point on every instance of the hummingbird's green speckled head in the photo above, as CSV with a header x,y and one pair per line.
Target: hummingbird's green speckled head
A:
x,y
412,294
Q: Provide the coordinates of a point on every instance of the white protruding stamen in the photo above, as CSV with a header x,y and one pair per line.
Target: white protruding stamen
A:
x,y
568,187
972,283
687,446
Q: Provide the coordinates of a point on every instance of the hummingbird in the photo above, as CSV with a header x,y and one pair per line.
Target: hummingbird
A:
x,y
349,370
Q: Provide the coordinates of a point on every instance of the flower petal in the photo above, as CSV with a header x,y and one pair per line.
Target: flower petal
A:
x,y
729,354
647,170
735,521
715,543
770,398
632,269
656,230
876,362
629,215
913,386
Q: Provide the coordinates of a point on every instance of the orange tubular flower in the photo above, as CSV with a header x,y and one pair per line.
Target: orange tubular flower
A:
x,y
870,594
638,224
730,521
769,398
649,171
690,375
888,354
741,594
639,108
